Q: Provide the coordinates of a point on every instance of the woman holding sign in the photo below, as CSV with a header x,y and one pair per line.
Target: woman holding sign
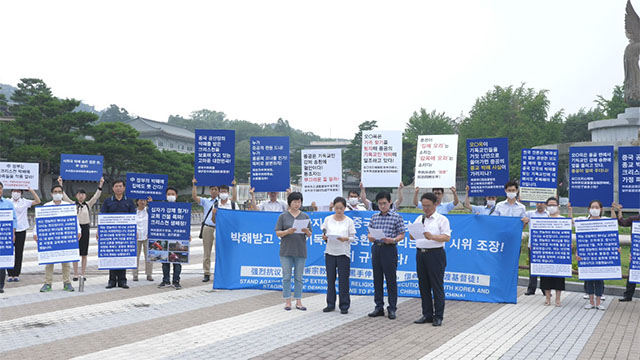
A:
x,y
548,283
293,228
338,231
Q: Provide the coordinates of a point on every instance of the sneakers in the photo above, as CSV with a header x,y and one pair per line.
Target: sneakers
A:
x,y
164,285
177,286
45,288
135,277
10,279
589,306
601,307
68,287
585,296
602,298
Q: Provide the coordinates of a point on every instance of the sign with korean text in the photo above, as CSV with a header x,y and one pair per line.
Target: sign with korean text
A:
x,y
629,176
634,266
482,256
270,163
538,174
57,233
487,166
590,175
6,239
550,247
597,246
436,161
169,232
321,176
117,246
141,186
381,158
15,175
81,167
215,157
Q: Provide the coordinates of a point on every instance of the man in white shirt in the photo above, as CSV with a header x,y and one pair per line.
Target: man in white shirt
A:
x,y
441,208
21,206
208,227
511,206
539,212
273,204
431,260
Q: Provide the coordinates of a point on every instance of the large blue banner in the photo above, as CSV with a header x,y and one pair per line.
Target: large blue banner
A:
x,y
629,176
487,166
597,247
590,175
6,239
270,163
538,174
141,186
117,245
215,157
482,256
169,232
634,266
57,233
550,247
81,167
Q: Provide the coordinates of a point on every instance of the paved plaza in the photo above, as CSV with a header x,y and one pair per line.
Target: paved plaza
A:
x,y
145,322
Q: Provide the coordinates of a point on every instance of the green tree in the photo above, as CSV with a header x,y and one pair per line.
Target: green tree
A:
x,y
576,125
115,114
352,158
519,114
614,106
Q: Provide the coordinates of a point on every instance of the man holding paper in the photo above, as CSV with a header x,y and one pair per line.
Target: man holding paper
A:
x,y
430,231
386,229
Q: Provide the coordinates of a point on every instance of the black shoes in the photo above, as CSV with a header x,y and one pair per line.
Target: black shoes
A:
x,y
110,285
123,285
624,299
344,311
328,309
392,314
423,320
206,278
437,322
376,313
530,293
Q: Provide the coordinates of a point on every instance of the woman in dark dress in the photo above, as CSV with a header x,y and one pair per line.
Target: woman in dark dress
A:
x,y
553,283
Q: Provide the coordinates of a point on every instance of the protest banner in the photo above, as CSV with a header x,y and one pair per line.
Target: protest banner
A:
x,y
6,239
141,186
550,247
381,164
215,157
321,176
15,175
81,167
169,232
436,161
487,166
597,244
629,176
634,266
117,246
482,256
270,163
538,174
57,231
590,175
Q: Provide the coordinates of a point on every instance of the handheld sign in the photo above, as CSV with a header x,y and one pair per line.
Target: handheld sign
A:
x,y
321,176
270,163
15,175
629,176
81,167
436,161
169,232
550,247
381,164
214,157
57,230
487,166
634,266
141,186
117,247
6,239
538,174
590,174
597,244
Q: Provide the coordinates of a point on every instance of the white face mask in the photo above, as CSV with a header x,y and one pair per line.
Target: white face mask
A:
x,y
491,203
594,212
552,209
512,195
57,197
224,196
353,201
16,195
171,198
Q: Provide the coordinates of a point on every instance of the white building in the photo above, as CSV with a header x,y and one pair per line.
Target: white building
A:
x,y
164,135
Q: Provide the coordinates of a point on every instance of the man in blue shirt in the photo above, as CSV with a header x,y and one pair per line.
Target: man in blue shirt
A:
x,y
208,229
442,208
384,254
7,205
118,203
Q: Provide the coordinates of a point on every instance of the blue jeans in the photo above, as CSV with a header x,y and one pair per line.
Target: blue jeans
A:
x,y
298,263
166,269
595,286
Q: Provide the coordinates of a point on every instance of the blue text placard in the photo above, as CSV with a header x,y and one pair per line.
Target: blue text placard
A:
x,y
590,175
81,167
117,246
270,163
487,166
597,246
142,186
57,233
215,157
629,176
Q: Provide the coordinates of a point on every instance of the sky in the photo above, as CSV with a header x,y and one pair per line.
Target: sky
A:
x,y
326,66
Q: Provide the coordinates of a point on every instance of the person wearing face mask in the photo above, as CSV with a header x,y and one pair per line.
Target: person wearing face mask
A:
x,y
117,204
539,212
594,288
353,202
5,204
338,231
626,222
56,194
172,196
441,207
511,206
273,204
548,283
487,209
142,223
83,208
21,207
208,226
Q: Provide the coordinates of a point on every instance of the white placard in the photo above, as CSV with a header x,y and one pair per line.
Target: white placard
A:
x,y
15,175
436,161
381,158
299,225
321,176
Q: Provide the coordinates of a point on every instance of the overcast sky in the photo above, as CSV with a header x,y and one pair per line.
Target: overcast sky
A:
x,y
325,66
